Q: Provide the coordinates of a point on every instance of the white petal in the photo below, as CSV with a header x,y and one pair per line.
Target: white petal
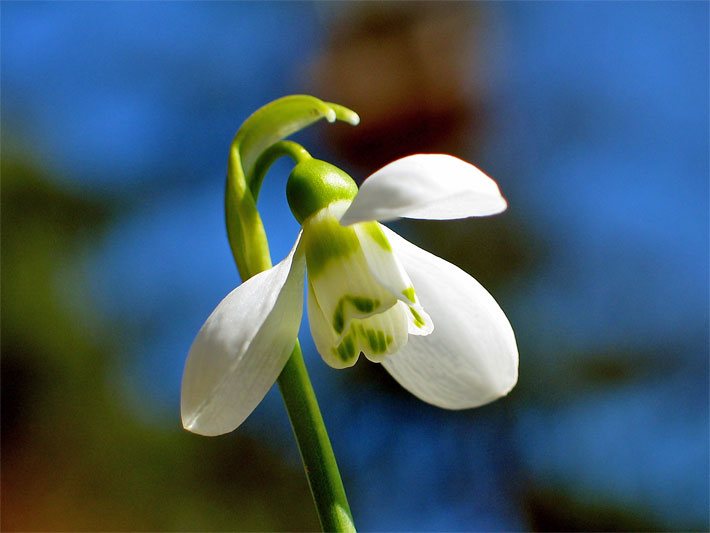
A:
x,y
430,186
471,357
242,348
388,271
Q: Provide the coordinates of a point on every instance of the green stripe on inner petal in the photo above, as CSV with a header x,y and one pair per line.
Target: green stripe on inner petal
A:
x,y
346,349
374,342
376,336
418,319
390,273
374,231
409,294
382,334
378,341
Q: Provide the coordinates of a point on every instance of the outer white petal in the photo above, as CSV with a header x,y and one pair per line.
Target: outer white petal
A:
x,y
430,186
242,348
471,357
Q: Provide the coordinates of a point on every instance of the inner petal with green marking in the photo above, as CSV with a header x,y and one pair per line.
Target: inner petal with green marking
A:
x,y
338,272
389,273
376,336
360,299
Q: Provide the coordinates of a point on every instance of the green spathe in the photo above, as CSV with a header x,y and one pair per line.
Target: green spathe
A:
x,y
315,184
263,129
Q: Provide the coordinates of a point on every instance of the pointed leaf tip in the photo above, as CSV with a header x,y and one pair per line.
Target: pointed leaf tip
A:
x,y
345,114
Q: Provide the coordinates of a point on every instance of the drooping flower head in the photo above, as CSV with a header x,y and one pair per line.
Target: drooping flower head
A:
x,y
434,328
360,299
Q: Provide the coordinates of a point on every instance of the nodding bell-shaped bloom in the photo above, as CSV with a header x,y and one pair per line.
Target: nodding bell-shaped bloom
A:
x,y
433,327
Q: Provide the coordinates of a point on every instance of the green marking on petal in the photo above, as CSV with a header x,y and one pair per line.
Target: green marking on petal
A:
x,y
382,343
409,294
364,305
418,320
346,349
371,340
326,240
339,318
361,303
374,231
377,340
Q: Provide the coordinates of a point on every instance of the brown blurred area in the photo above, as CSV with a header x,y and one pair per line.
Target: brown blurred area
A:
x,y
406,68
418,75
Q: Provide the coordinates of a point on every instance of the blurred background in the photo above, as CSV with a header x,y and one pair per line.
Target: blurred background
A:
x,y
592,117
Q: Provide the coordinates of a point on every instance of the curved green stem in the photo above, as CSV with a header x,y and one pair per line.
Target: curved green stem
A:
x,y
252,256
282,148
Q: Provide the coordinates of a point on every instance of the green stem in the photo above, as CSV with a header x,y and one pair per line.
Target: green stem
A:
x,y
296,389
313,442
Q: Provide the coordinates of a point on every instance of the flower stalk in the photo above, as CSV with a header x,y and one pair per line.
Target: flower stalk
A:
x,y
313,443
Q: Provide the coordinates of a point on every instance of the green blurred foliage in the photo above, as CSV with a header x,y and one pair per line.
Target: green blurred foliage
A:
x,y
74,457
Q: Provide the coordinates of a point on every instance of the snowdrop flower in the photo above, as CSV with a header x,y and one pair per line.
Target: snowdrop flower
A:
x,y
433,327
